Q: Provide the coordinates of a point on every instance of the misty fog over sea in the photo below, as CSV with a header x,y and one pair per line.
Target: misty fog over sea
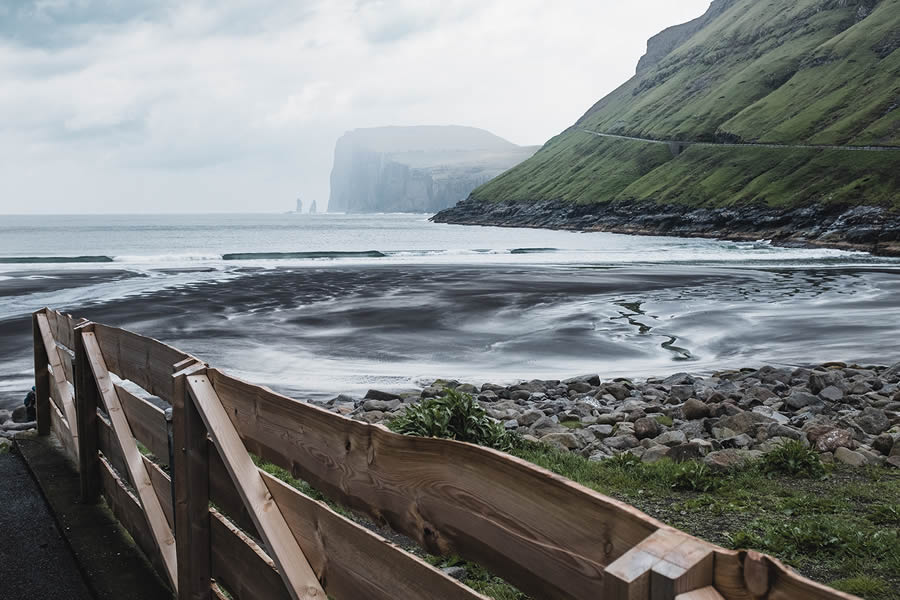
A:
x,y
318,305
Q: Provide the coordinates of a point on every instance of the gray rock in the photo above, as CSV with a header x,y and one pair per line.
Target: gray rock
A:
x,y
529,417
800,399
5,416
682,392
621,442
695,409
379,395
655,454
488,396
579,387
740,441
884,443
381,405
819,380
745,422
456,572
646,428
723,460
679,379
592,380
617,391
511,425
19,414
673,437
687,451
873,421
832,440
849,457
832,394
565,441
601,431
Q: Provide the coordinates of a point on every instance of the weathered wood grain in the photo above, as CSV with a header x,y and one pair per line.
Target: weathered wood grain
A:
x,y
128,512
60,388
41,378
140,478
145,361
298,576
546,535
191,471
730,579
148,424
707,593
241,566
60,429
87,400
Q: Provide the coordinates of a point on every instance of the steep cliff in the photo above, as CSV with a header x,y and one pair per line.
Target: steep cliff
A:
x,y
415,169
811,75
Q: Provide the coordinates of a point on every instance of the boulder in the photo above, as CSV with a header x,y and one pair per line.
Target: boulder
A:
x,y
744,422
694,409
655,454
488,396
564,441
723,460
681,392
19,414
601,431
687,451
529,417
381,405
579,387
621,442
617,391
592,380
885,442
819,380
800,399
672,437
5,416
832,394
873,421
679,379
831,440
849,457
646,427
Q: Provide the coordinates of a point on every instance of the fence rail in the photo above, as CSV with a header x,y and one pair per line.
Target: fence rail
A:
x,y
212,523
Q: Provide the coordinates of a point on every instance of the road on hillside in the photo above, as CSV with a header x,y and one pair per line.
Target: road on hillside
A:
x,y
744,145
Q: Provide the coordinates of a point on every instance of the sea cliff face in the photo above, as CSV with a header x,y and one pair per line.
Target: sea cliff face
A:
x,y
415,169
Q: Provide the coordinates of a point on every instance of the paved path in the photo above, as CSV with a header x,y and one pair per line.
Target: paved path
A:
x,y
35,561
745,145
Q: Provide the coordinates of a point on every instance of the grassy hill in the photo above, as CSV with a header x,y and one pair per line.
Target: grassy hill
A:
x,y
749,71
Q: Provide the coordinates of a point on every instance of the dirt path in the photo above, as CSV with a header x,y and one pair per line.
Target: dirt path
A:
x,y
683,144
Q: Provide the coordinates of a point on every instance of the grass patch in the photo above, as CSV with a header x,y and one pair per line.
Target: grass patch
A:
x,y
664,420
572,424
794,458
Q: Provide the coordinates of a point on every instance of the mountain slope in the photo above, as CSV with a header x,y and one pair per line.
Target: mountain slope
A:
x,y
807,72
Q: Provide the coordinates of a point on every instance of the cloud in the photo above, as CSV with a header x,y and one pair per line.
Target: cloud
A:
x,y
138,105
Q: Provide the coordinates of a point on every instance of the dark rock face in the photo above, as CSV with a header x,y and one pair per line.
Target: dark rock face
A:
x,y
415,169
867,228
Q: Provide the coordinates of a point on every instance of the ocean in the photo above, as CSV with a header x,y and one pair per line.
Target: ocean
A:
x,y
316,305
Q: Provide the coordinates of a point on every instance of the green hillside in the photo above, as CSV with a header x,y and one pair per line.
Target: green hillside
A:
x,y
820,72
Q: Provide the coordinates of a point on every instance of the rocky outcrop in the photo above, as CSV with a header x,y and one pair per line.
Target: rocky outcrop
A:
x,y
867,228
415,169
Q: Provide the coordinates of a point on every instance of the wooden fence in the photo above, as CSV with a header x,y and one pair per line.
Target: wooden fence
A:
x,y
212,523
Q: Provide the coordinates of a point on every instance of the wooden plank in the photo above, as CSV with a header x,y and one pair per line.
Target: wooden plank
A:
x,y
148,423
60,387
62,327
67,364
299,578
162,534
191,469
355,562
143,360
128,512
707,593
732,569
546,535
60,429
87,399
241,566
41,378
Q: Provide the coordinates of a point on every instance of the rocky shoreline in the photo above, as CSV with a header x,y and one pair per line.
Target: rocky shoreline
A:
x,y
848,413
864,228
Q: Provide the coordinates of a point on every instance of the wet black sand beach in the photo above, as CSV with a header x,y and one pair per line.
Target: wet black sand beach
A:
x,y
314,331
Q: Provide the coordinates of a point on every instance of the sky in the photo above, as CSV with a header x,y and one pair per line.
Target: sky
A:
x,y
141,106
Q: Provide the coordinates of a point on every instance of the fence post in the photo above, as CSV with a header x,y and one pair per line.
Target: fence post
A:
x,y
41,378
191,479
87,399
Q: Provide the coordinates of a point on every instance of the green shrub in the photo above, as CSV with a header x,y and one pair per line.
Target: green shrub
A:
x,y
794,458
454,416
696,477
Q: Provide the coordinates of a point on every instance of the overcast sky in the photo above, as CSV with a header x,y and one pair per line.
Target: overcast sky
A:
x,y
235,105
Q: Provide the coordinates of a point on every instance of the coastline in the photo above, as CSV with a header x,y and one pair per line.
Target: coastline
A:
x,y
862,228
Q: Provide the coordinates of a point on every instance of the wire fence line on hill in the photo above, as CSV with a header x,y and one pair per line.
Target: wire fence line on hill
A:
x,y
683,143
